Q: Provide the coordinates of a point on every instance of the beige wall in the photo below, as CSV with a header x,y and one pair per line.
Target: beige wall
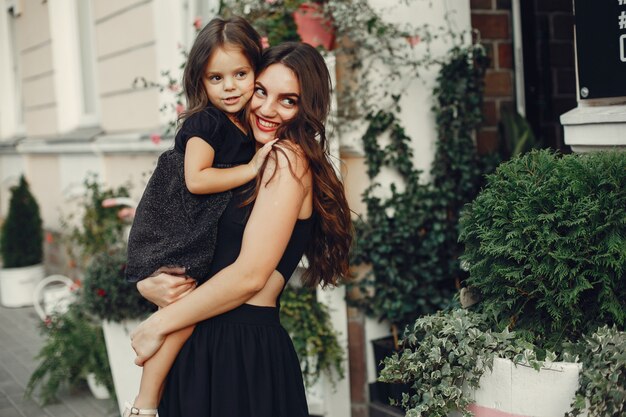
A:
x,y
34,43
42,172
126,49
355,181
136,169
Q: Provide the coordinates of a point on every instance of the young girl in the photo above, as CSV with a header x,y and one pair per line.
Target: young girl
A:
x,y
176,220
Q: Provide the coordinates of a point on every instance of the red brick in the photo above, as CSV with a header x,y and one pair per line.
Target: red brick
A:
x,y
491,26
357,365
487,141
563,27
489,51
499,84
481,4
490,116
505,55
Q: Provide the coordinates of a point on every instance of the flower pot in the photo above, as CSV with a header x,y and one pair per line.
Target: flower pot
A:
x,y
518,390
313,27
18,284
126,375
98,390
382,392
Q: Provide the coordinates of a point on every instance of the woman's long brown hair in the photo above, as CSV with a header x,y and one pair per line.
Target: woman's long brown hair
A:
x,y
235,32
329,246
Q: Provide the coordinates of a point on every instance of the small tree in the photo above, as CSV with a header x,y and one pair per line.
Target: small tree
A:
x,y
22,233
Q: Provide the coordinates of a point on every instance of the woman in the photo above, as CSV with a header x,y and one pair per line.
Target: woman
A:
x,y
239,361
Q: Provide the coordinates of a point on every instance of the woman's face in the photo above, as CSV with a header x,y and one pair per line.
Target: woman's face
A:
x,y
275,101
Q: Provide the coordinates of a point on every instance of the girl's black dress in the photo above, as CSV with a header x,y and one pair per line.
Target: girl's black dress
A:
x,y
241,363
173,227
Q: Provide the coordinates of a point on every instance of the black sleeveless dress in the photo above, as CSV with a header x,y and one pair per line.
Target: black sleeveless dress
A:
x,y
241,363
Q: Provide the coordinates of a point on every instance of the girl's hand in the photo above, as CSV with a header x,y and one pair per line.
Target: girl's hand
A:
x,y
163,289
259,157
146,340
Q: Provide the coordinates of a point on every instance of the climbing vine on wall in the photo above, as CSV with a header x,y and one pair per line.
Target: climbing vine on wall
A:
x,y
410,238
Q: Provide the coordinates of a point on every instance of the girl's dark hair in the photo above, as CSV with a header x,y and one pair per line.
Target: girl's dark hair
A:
x,y
236,32
328,249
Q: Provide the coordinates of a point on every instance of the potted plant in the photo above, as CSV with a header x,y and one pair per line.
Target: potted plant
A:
x,y
545,251
21,247
74,352
286,20
98,242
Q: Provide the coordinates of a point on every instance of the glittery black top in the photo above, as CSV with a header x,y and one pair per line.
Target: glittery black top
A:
x,y
173,227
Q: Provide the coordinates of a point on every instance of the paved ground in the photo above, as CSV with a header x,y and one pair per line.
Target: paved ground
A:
x,y
19,343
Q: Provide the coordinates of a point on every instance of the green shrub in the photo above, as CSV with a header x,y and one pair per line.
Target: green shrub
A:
x,y
99,228
545,243
107,294
74,347
309,325
22,232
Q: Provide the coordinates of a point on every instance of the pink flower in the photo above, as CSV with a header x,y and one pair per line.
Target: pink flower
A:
x,y
197,23
265,43
48,321
155,138
75,286
270,1
179,108
413,40
49,238
126,213
173,87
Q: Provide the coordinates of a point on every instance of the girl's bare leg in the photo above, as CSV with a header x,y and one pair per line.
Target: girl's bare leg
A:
x,y
156,368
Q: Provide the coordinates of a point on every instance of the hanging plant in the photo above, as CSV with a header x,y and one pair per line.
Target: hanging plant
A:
x,y
410,238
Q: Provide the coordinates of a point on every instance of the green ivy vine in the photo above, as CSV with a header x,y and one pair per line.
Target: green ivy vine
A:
x,y
410,238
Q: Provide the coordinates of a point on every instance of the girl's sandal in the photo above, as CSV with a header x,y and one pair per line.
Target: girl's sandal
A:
x,y
131,410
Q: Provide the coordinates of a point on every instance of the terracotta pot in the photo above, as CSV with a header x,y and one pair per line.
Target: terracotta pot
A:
x,y
313,27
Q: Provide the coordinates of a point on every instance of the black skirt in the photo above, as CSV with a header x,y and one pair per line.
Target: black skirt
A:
x,y
239,364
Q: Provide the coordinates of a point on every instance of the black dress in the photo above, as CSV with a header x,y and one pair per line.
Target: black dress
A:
x,y
241,363
173,227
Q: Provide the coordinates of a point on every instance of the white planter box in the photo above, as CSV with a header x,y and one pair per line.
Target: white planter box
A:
x,y
126,375
99,391
520,391
17,285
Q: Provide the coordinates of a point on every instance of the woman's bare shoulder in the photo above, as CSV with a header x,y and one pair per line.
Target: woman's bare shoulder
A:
x,y
289,156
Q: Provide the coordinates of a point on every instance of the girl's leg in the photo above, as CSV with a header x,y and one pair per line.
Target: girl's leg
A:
x,y
156,368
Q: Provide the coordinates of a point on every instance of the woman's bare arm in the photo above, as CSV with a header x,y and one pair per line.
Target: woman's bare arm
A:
x,y
265,238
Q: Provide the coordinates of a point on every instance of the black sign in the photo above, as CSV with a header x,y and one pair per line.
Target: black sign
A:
x,y
601,47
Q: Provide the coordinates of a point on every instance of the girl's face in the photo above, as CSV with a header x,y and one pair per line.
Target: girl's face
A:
x,y
228,79
275,101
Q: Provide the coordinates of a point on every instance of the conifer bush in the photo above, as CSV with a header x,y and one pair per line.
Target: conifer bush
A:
x,y
545,243
22,232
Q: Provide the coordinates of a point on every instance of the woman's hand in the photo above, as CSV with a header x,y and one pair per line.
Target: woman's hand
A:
x,y
166,287
146,339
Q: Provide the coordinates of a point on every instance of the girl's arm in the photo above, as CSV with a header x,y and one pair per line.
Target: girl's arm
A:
x,y
265,238
202,178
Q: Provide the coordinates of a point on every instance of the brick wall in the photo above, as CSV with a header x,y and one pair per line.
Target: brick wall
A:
x,y
549,69
492,18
